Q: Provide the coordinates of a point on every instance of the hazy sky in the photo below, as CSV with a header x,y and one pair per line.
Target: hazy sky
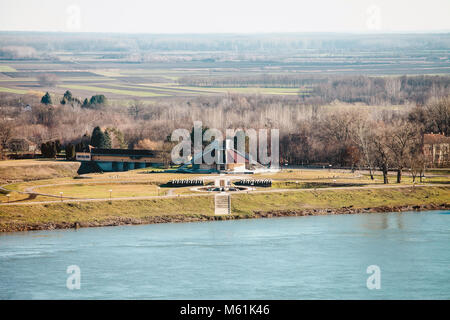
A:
x,y
225,16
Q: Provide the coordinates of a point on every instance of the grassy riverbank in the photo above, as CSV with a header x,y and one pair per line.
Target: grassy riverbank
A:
x,y
34,169
183,209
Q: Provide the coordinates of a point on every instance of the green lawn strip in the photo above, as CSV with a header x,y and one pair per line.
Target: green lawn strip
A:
x,y
11,90
6,68
101,190
110,90
242,204
103,211
322,198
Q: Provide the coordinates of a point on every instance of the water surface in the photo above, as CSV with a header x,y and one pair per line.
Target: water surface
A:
x,y
318,257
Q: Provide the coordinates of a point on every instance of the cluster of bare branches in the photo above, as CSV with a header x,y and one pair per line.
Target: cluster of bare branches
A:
x,y
341,134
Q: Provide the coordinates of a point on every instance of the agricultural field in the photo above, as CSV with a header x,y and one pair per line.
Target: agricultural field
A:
x,y
121,78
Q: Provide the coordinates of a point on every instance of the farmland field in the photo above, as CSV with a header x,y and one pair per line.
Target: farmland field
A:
x,y
168,70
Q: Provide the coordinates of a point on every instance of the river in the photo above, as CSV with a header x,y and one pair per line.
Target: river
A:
x,y
315,257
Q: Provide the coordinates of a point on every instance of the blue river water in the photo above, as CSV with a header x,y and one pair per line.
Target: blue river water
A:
x,y
316,257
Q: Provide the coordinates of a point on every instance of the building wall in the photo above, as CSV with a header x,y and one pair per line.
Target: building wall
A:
x,y
125,159
437,155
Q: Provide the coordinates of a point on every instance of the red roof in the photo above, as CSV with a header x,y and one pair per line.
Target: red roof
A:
x,y
432,138
236,157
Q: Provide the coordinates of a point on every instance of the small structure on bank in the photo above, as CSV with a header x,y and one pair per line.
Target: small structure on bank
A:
x,y
113,160
222,203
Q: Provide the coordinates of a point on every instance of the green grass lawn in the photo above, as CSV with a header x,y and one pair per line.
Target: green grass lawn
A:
x,y
6,68
14,170
12,217
11,90
322,198
101,190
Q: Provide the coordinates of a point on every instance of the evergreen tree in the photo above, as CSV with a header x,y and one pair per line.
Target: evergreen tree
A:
x,y
49,150
108,143
97,99
46,99
70,151
68,96
98,139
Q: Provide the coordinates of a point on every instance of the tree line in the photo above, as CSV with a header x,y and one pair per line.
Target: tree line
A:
x,y
338,133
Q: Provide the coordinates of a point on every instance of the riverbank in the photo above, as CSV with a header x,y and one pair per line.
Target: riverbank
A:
x,y
244,206
36,169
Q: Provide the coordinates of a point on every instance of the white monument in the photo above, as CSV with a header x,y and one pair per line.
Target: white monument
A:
x,y
222,204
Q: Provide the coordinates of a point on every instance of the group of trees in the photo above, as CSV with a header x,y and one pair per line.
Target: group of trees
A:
x,y
50,149
116,43
100,138
382,137
95,102
351,89
357,137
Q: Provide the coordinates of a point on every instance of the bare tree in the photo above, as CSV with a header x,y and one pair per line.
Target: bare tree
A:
x,y
165,153
6,132
393,86
362,136
136,108
417,164
438,113
403,139
48,80
380,141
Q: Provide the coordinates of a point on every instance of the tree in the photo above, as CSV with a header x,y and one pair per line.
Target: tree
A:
x,y
48,80
295,148
135,109
98,138
6,132
166,153
438,114
95,102
117,138
147,144
46,99
380,139
393,87
404,138
49,149
67,97
97,99
107,144
417,162
362,136
70,151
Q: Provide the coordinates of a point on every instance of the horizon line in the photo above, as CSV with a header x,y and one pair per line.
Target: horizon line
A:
x,y
444,31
